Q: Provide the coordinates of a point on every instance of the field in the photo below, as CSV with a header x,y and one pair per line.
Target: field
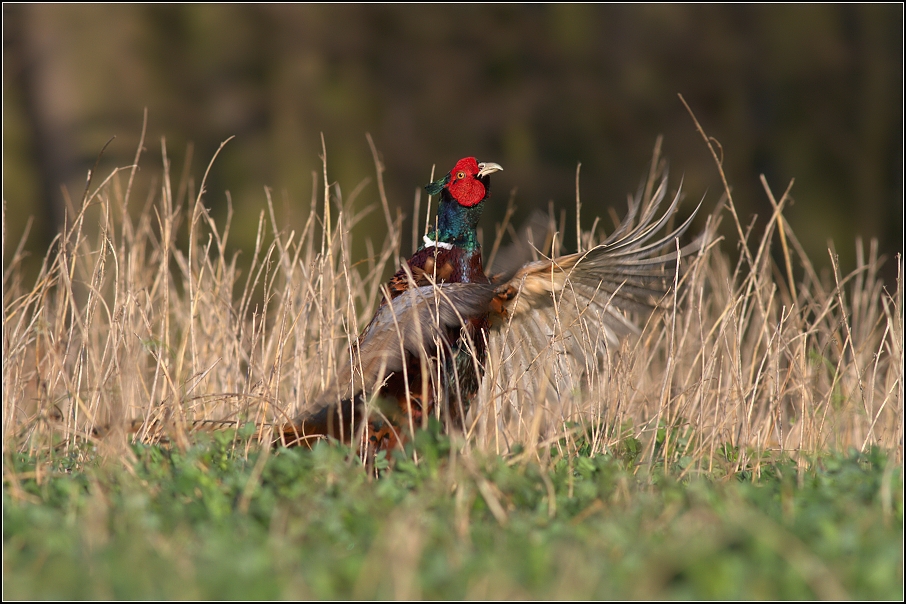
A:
x,y
748,444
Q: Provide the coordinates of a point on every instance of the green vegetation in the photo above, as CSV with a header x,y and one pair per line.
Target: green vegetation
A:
x,y
211,522
748,445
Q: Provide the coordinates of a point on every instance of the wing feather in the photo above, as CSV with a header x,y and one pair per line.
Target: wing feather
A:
x,y
412,323
559,316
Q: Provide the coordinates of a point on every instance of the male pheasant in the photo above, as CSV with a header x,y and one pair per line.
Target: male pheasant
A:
x,y
424,352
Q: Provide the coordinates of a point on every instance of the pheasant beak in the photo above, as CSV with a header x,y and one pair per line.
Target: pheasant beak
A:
x,y
486,168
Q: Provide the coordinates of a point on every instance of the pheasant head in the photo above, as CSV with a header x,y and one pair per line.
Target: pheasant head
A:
x,y
462,194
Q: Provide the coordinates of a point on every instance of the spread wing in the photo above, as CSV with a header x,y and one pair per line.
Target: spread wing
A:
x,y
558,316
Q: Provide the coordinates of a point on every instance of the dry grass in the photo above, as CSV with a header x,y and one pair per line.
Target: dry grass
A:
x,y
126,325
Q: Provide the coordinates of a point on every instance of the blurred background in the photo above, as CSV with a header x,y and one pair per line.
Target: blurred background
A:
x,y
807,92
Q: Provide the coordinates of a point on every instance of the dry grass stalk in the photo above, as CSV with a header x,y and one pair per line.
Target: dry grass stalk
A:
x,y
123,328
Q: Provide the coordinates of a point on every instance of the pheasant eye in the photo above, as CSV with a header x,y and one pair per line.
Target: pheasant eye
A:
x,y
460,174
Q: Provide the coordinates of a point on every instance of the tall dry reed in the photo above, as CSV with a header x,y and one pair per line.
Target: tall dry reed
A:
x,y
124,328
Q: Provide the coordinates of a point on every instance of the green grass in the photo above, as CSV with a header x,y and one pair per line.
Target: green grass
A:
x,y
213,522
748,446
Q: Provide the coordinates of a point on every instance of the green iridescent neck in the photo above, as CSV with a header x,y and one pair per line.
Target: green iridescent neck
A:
x,y
456,224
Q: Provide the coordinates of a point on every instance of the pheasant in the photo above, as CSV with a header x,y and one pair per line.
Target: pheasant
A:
x,y
425,350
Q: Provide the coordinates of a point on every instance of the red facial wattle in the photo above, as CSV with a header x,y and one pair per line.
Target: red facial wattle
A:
x,y
464,187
